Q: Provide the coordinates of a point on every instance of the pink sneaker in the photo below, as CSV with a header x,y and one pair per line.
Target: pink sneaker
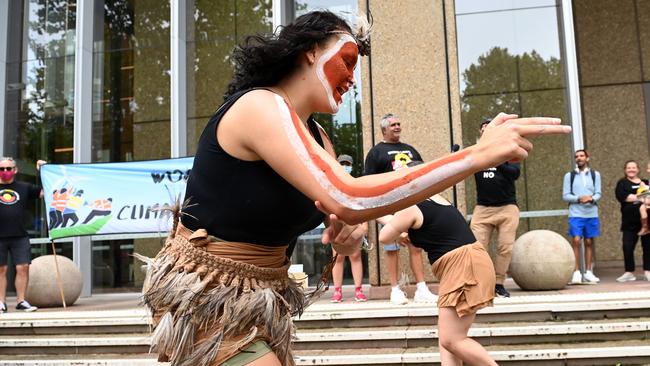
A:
x,y
337,296
359,296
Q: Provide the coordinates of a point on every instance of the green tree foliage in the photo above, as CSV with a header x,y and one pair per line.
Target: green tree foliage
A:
x,y
527,85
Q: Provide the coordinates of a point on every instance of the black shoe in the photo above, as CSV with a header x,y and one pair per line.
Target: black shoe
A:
x,y
501,291
3,307
25,306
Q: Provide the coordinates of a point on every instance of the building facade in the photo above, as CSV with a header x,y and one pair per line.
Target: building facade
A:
x,y
122,80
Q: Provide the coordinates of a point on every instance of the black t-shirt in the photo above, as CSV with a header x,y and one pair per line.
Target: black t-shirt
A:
x,y
386,157
244,201
630,216
13,204
443,230
496,186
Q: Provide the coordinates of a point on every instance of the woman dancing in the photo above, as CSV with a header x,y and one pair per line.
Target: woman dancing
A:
x,y
218,290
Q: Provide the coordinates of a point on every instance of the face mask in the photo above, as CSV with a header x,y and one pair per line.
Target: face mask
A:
x,y
347,168
7,175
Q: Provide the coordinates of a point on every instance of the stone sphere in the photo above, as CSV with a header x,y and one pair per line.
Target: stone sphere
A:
x,y
542,260
43,289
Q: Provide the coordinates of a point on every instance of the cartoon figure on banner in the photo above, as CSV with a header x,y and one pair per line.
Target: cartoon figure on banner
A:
x,y
70,212
59,202
99,207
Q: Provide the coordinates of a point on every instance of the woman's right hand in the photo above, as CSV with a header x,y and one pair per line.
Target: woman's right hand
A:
x,y
506,138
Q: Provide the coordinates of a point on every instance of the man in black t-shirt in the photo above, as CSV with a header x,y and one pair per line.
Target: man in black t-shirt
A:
x,y
13,237
496,209
388,155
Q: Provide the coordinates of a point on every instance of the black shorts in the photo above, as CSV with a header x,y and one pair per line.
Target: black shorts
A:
x,y
19,247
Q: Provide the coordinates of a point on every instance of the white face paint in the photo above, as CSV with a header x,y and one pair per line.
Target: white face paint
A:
x,y
401,188
329,82
347,168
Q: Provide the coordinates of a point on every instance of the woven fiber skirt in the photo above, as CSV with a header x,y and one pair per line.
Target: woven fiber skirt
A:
x,y
467,279
206,308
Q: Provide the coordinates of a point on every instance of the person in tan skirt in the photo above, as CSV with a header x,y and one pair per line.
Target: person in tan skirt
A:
x,y
219,291
463,267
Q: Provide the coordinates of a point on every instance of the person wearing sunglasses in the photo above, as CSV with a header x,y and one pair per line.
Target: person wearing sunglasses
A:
x,y
14,196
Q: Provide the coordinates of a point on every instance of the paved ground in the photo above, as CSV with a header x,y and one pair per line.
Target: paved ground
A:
x,y
608,284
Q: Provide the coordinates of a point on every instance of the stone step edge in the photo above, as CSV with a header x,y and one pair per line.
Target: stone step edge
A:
x,y
479,331
87,362
140,317
518,355
524,299
81,341
85,340
432,310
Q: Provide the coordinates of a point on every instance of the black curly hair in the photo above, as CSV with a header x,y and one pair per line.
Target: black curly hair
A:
x,y
264,60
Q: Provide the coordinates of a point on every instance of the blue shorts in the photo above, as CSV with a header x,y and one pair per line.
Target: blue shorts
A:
x,y
391,247
585,227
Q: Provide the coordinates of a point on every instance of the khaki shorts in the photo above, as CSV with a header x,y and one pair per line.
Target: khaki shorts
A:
x,y
249,354
467,279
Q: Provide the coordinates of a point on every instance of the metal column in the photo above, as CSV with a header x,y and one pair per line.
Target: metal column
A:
x,y
4,34
571,74
283,13
83,88
178,38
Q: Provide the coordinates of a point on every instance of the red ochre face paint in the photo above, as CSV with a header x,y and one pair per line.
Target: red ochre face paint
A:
x,y
335,69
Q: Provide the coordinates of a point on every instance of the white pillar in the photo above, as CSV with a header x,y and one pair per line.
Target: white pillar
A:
x,y
4,35
571,74
283,12
83,88
178,33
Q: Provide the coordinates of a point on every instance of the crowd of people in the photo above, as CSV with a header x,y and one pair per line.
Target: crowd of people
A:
x,y
265,172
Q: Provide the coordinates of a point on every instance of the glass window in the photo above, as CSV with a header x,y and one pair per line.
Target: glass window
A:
x,y
214,28
510,61
39,90
131,83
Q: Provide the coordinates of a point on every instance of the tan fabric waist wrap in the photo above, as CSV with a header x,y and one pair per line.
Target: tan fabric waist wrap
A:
x,y
257,255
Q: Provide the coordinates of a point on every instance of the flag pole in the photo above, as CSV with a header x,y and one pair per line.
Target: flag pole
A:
x,y
58,275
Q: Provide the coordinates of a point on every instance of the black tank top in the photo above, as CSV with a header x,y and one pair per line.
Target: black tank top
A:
x,y
244,201
443,230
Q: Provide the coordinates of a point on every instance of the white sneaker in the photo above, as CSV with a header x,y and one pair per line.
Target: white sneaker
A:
x,y
425,296
627,276
590,277
398,297
647,275
576,278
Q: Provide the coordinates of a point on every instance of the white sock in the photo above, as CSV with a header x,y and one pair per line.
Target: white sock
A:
x,y
396,288
422,286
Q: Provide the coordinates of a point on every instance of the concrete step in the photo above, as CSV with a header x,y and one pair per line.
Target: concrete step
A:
x,y
602,353
372,314
75,344
598,353
504,310
486,334
405,337
88,360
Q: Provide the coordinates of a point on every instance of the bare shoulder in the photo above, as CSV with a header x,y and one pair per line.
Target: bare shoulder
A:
x,y
249,119
255,103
